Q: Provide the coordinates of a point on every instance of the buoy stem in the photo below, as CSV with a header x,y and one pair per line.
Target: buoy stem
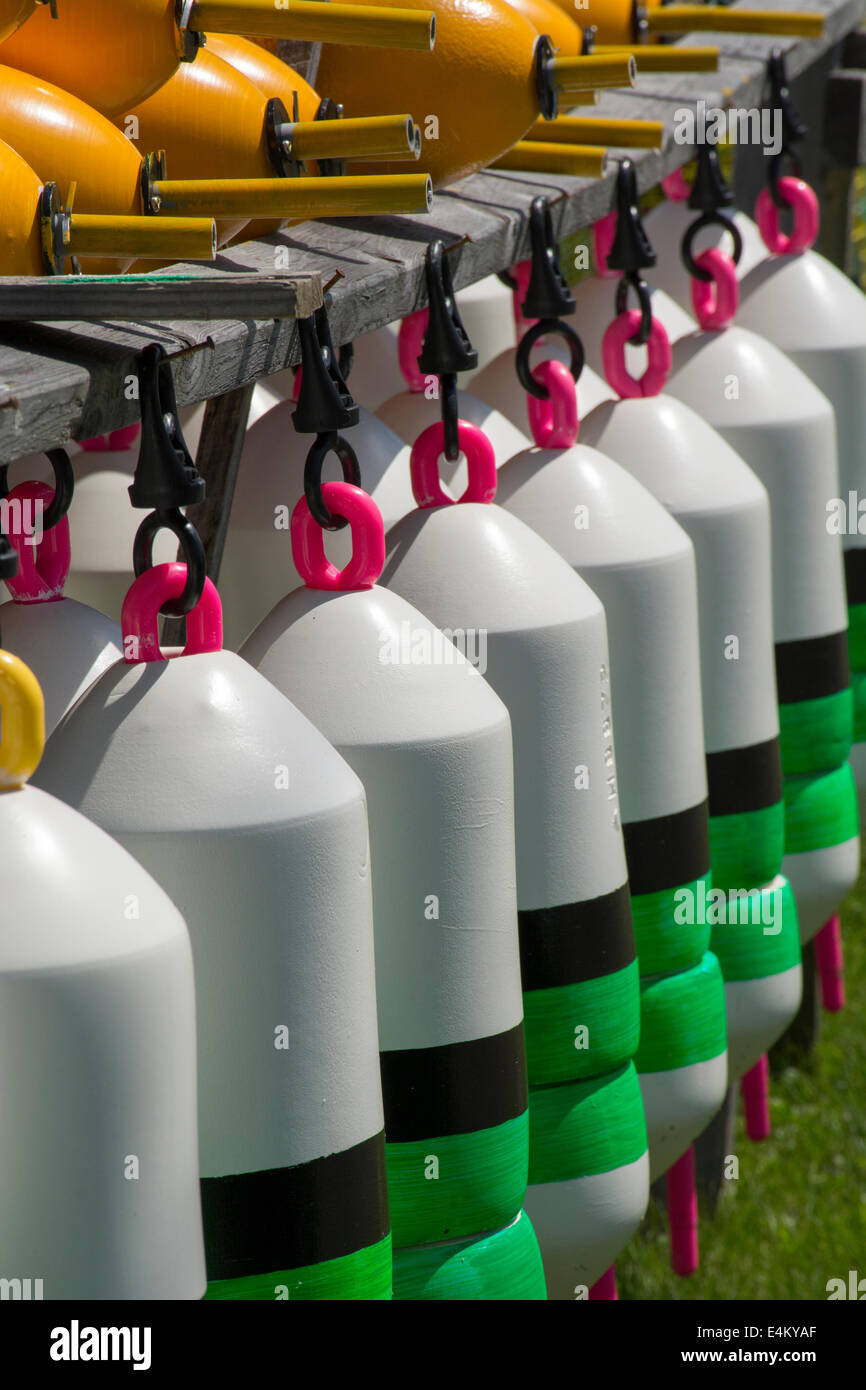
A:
x,y
755,1086
145,238
362,137
591,130
667,57
309,19
684,19
571,75
828,956
299,199
586,161
682,1200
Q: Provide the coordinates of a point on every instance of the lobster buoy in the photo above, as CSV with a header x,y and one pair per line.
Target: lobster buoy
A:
x,y
641,565
98,1145
256,570
257,829
66,644
482,46
114,59
783,426
432,744
538,634
723,507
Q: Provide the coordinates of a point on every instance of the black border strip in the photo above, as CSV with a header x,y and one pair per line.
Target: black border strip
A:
x,y
454,1089
855,575
668,851
284,1218
579,941
745,779
812,667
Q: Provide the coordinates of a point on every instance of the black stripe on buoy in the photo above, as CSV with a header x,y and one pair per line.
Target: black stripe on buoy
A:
x,y
454,1089
745,779
668,851
579,941
855,575
285,1218
813,667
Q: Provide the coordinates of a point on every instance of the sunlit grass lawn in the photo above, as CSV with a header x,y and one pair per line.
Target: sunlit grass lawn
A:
x,y
796,1216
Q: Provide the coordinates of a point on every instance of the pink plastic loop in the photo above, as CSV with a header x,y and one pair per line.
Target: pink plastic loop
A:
x,y
480,463
682,1196
715,301
43,557
755,1086
807,217
368,540
139,617
410,341
831,970
675,188
554,422
613,344
119,441
521,273
603,234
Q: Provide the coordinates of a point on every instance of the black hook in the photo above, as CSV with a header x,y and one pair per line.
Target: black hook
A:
x,y
325,402
794,129
446,347
547,295
348,459
632,249
172,519
165,475
710,195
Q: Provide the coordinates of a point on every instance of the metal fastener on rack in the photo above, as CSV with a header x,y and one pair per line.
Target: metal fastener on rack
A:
x,y
709,196
446,349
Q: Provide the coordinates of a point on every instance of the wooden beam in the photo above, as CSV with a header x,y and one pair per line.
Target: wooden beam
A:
x,y
134,298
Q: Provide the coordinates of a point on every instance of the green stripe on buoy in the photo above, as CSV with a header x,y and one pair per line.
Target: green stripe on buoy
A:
x,y
820,810
858,693
365,1274
458,1184
664,942
747,847
760,935
586,1127
683,1018
504,1264
575,1031
857,636
816,734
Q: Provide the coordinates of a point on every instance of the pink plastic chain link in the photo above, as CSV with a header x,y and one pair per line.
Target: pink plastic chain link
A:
x,y
807,217
613,345
554,422
368,540
715,301
139,617
480,462
43,558
410,341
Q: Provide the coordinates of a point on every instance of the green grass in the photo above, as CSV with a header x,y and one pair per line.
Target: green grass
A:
x,y
796,1216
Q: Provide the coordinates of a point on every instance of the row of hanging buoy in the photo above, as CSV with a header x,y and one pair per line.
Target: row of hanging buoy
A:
x,y
494,829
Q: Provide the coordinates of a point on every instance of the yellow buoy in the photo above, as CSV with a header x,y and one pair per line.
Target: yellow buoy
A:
x,y
487,81
13,14
115,53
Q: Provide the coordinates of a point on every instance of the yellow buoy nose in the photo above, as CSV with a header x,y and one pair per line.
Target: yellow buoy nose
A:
x,y
22,722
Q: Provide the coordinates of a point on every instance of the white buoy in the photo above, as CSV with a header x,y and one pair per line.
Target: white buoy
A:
x,y
98,1147
257,569
641,565
538,634
432,744
722,506
257,829
66,644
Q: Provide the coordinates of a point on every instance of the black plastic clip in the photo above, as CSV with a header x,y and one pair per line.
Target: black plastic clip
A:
x,y
632,250
325,402
794,129
710,196
165,475
446,349
547,294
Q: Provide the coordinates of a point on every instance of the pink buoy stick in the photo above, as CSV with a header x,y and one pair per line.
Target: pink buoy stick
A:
x,y
682,1194
828,954
605,1287
755,1086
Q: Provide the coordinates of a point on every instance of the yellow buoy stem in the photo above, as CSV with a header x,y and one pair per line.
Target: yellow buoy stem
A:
x,y
364,137
310,19
601,130
145,238
668,57
586,161
571,75
299,199
684,19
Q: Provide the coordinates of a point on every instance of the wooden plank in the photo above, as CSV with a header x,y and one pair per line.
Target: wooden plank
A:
x,y
131,298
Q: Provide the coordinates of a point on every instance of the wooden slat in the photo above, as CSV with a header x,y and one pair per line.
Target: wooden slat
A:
x,y
131,298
